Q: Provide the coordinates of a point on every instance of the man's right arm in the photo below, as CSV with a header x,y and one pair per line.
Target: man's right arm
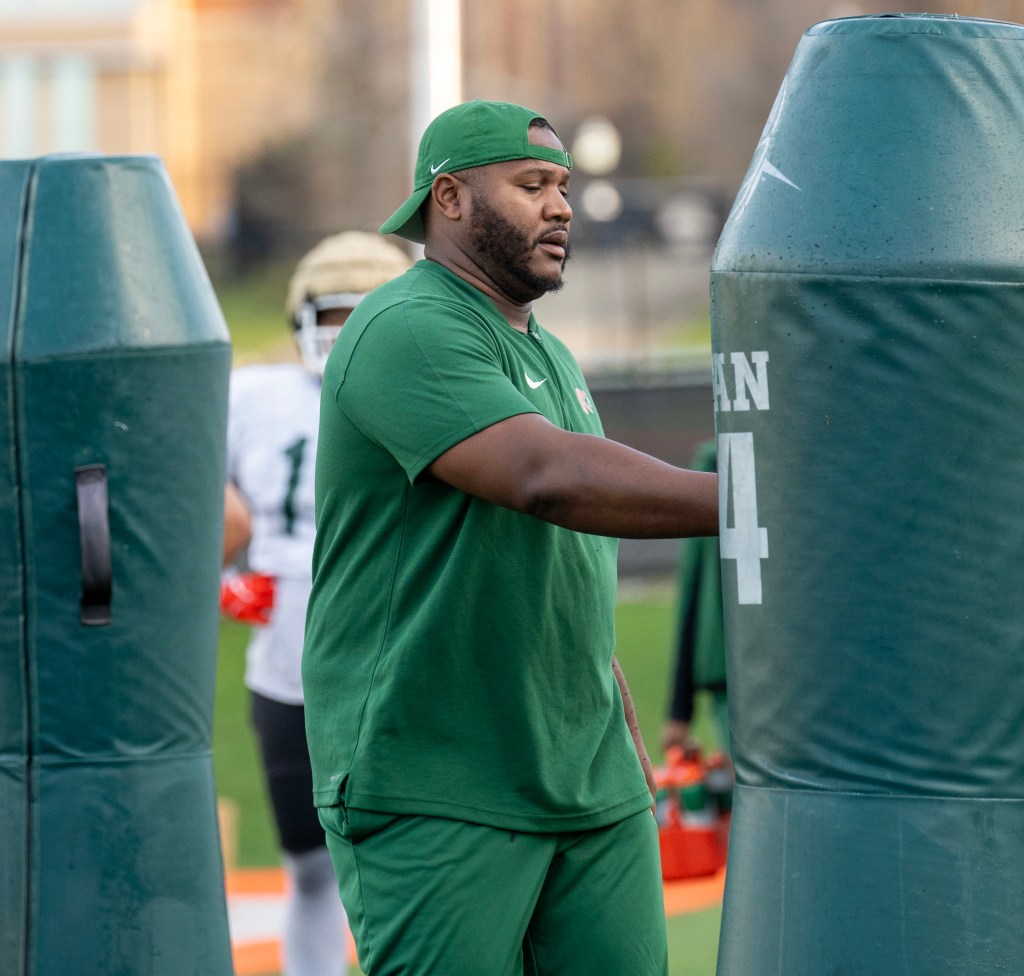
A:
x,y
580,481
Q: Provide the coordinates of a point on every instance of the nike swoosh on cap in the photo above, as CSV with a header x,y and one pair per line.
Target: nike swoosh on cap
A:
x,y
434,170
532,383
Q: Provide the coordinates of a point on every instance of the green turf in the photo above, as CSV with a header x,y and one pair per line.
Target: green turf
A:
x,y
254,310
693,943
235,760
644,625
644,632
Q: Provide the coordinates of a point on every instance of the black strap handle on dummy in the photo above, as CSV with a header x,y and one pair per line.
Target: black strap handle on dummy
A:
x,y
94,534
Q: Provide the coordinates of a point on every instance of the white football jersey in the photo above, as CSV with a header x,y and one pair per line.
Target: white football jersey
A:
x,y
273,422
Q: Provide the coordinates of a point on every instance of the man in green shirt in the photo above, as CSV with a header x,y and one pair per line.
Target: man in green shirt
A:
x,y
477,763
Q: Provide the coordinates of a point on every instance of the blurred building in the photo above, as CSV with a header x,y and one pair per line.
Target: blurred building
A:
x,y
202,83
278,117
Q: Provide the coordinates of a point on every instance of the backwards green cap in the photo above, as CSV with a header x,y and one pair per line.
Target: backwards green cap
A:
x,y
471,134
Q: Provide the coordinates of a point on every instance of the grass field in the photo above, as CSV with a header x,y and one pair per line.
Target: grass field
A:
x,y
254,313
253,308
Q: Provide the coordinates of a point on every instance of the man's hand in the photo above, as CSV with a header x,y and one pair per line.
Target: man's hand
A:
x,y
676,734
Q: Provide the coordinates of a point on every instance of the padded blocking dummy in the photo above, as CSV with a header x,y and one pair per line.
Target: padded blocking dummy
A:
x,y
114,399
868,346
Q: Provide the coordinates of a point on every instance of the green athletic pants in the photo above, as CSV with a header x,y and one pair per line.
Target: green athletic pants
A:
x,y
426,895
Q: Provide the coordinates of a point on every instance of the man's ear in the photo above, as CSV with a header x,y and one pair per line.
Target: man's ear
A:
x,y
448,194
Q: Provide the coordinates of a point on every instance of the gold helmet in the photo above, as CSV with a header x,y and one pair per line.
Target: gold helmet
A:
x,y
336,274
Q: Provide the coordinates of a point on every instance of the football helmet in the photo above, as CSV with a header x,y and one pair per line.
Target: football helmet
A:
x,y
336,274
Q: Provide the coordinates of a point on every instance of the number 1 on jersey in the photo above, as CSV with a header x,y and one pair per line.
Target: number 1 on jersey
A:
x,y
295,454
744,540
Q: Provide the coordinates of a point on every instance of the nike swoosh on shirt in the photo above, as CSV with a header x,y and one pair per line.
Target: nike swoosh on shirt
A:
x,y
533,384
434,170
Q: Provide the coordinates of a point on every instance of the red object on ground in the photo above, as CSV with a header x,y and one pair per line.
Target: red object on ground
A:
x,y
693,852
693,829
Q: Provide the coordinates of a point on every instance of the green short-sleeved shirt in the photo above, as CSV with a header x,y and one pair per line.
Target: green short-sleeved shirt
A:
x,y
458,654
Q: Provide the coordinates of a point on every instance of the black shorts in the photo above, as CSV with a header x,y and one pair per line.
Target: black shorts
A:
x,y
281,733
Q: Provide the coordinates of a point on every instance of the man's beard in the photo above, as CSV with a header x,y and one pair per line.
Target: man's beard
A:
x,y
503,252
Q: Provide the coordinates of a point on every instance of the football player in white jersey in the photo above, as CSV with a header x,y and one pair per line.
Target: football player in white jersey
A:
x,y
273,421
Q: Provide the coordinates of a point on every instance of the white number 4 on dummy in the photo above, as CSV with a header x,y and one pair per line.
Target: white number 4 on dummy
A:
x,y
744,540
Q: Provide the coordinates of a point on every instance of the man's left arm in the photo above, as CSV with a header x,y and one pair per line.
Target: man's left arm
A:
x,y
634,726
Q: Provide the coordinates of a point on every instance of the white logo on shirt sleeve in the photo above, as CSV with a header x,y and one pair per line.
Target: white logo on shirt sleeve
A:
x,y
584,399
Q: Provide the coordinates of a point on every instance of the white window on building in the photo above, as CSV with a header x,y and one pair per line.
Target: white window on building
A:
x,y
18,119
53,9
73,94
